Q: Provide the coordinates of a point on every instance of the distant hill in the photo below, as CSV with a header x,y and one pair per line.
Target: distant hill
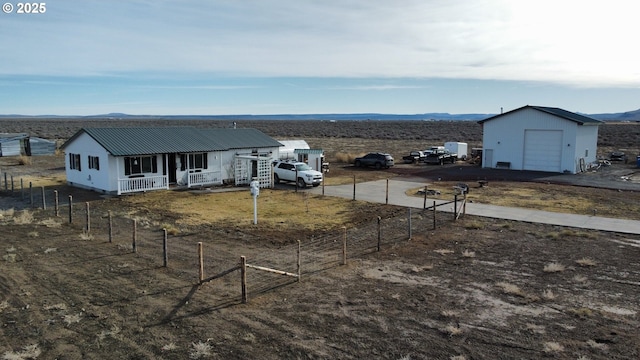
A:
x,y
626,116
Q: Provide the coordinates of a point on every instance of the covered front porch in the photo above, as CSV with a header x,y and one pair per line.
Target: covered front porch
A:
x,y
143,173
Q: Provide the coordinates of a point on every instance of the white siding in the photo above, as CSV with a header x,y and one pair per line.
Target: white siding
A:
x,y
586,146
85,146
506,136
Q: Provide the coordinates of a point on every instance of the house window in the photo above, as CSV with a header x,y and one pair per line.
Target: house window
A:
x,y
196,161
74,162
94,162
586,153
135,165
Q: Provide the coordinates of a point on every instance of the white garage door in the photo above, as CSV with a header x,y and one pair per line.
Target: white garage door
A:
x,y
542,150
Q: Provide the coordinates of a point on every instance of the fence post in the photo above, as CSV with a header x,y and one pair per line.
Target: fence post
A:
x,y
409,222
386,198
344,246
379,232
434,214
31,193
464,205
298,262
12,184
354,187
164,249
21,188
200,262
44,200
110,227
70,209
6,184
88,217
455,207
424,205
243,278
134,245
323,180
56,203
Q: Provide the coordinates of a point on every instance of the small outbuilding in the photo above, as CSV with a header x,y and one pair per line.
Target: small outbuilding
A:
x,y
126,160
541,139
14,144
299,150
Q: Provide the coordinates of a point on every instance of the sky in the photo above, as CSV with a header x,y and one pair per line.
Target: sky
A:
x,y
229,57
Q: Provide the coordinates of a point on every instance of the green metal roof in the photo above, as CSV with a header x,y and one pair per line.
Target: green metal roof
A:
x,y
308,151
240,138
158,140
568,115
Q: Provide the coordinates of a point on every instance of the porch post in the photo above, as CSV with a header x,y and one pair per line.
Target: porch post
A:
x,y
118,190
166,166
188,173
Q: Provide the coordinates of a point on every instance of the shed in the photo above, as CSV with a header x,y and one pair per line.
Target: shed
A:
x,y
14,144
287,150
126,160
40,146
299,150
541,139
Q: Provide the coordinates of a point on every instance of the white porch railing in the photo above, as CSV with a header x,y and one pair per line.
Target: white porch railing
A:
x,y
204,178
129,185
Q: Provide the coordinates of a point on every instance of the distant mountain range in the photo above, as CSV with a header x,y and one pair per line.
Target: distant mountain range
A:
x,y
625,116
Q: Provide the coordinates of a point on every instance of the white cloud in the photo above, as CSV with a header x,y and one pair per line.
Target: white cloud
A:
x,y
568,41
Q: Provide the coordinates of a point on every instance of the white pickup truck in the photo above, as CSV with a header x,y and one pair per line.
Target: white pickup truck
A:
x,y
295,171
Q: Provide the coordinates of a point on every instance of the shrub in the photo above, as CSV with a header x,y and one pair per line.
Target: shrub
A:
x,y
7,212
443,251
452,330
554,267
201,349
24,160
171,229
468,254
548,294
474,225
552,347
586,262
510,289
86,236
582,312
24,218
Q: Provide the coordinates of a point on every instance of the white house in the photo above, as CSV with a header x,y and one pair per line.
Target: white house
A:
x,y
539,138
125,160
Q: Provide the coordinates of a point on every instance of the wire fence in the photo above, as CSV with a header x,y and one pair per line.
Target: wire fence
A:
x,y
215,257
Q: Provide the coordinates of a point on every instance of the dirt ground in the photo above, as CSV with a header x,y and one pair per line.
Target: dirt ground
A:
x,y
470,289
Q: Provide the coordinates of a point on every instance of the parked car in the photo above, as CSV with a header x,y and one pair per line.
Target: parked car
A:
x,y
441,156
414,156
618,156
375,159
296,171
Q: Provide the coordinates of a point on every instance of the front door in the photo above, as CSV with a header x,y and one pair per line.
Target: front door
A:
x,y
172,168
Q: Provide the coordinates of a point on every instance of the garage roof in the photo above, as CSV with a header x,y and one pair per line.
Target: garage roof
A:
x,y
567,115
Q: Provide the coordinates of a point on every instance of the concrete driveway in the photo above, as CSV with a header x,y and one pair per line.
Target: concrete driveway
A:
x,y
376,191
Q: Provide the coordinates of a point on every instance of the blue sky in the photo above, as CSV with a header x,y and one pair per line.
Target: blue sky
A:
x,y
305,56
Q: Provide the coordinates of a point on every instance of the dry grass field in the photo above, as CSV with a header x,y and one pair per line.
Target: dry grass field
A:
x,y
471,289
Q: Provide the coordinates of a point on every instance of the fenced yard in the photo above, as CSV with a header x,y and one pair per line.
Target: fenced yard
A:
x,y
213,258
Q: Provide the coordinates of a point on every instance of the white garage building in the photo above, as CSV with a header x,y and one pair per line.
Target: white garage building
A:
x,y
541,139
